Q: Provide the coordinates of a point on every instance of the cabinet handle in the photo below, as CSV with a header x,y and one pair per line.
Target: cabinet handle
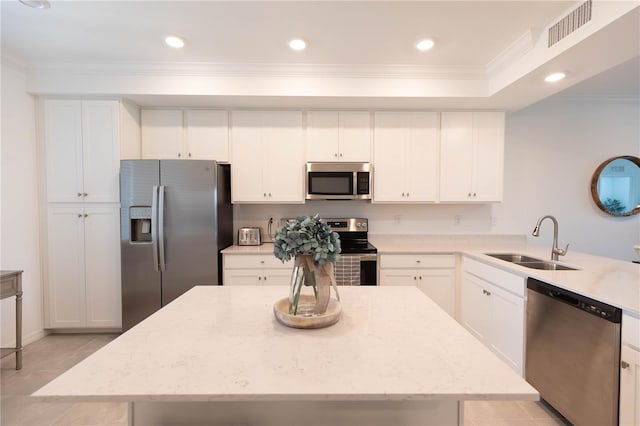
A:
x,y
79,215
265,278
269,194
624,364
179,155
79,194
417,261
262,261
403,194
264,194
340,154
84,194
189,155
469,195
415,278
259,278
420,277
488,293
335,155
474,194
407,194
86,215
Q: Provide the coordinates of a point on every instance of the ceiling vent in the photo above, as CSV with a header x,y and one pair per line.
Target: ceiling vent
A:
x,y
574,20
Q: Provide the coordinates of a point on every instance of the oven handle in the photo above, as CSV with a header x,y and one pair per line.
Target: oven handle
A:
x,y
368,257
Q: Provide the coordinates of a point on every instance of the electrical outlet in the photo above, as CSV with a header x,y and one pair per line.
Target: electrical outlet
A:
x,y
456,220
396,219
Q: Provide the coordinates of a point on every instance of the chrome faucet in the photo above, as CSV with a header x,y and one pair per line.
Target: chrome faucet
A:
x,y
555,251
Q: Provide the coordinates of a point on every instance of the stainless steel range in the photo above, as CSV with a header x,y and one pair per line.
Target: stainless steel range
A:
x,y
358,263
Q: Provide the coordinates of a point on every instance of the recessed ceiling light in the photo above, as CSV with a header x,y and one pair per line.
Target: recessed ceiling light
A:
x,y
36,4
174,41
425,44
556,76
297,44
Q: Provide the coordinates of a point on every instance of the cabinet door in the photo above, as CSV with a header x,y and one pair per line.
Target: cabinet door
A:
x,y
456,156
277,277
161,134
101,151
422,140
355,136
207,135
439,285
398,277
63,147
284,157
102,266
629,386
389,153
475,306
507,327
65,296
488,154
248,157
242,277
323,135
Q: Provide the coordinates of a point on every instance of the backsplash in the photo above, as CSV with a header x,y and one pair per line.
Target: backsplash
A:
x,y
387,219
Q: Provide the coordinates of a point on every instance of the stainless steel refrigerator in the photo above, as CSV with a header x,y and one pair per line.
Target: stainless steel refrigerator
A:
x,y
176,216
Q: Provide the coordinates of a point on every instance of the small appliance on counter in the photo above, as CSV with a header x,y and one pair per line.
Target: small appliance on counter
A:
x,y
249,236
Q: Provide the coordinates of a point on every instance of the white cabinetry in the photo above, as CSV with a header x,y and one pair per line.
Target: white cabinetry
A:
x,y
82,248
188,134
405,155
433,274
255,269
268,157
83,277
630,372
492,309
471,159
338,136
82,146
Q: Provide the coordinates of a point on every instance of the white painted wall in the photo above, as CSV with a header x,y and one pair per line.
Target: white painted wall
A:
x,y
551,152
19,214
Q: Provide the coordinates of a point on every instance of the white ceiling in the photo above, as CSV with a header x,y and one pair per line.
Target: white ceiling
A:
x,y
227,40
468,33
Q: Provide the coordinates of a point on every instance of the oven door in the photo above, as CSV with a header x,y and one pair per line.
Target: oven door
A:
x,y
357,269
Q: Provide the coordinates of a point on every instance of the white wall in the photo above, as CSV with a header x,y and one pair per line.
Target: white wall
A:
x,y
19,236
551,152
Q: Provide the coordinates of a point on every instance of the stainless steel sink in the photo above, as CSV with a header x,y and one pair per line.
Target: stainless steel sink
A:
x,y
514,258
530,262
546,265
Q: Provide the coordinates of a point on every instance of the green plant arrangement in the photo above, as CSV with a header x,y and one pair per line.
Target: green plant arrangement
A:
x,y
315,248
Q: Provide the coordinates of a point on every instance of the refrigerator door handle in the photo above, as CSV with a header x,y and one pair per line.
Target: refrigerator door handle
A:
x,y
154,227
163,265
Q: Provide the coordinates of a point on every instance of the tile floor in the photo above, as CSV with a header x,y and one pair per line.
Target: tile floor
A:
x,y
48,357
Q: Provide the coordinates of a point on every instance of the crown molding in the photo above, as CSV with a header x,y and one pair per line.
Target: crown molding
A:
x,y
267,70
516,50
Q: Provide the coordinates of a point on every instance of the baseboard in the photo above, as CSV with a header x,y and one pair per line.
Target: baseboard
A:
x,y
27,338
84,330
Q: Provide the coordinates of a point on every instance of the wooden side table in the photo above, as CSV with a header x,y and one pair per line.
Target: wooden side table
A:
x,y
11,285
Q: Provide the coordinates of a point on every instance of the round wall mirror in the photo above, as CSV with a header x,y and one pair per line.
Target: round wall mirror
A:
x,y
615,186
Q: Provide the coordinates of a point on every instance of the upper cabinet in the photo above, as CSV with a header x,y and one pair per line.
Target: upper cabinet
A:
x,y
338,136
471,156
188,134
405,152
268,157
82,145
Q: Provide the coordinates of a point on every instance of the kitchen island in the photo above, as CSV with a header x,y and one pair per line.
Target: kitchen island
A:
x,y
216,355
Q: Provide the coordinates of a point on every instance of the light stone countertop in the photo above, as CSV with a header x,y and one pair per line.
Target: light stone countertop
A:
x,y
224,344
611,281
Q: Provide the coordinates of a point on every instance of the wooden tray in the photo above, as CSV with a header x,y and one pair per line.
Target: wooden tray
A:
x,y
330,317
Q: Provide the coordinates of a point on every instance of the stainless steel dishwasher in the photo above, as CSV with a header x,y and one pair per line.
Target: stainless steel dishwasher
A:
x,y
573,353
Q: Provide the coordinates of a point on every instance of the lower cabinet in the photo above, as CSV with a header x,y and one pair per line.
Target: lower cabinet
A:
x,y
433,274
492,309
255,269
630,372
83,267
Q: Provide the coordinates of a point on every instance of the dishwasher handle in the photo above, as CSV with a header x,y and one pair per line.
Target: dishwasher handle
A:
x,y
578,301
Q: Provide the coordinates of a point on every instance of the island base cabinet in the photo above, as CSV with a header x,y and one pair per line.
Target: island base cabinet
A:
x,y
629,386
297,413
255,269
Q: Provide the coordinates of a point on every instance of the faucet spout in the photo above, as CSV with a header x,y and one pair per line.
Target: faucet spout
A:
x,y
555,251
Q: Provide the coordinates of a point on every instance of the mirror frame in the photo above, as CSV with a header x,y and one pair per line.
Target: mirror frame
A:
x,y
594,185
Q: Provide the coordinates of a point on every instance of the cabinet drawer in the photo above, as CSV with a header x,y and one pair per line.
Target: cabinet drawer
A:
x,y
510,282
254,261
631,330
417,261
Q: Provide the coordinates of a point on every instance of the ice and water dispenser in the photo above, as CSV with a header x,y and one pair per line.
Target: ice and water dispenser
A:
x,y
140,218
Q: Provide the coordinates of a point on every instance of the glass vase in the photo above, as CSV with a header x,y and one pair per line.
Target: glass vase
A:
x,y
303,289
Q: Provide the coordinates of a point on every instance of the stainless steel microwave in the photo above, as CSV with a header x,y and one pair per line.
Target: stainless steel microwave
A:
x,y
339,181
